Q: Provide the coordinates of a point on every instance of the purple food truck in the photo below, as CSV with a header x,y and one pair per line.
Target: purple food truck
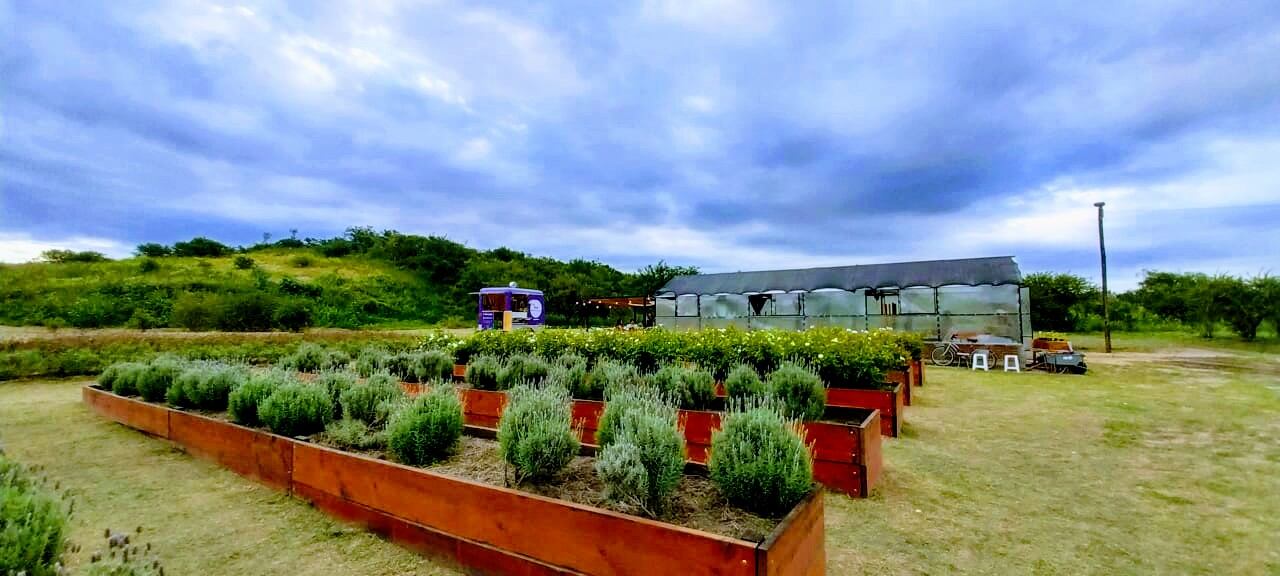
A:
x,y
510,308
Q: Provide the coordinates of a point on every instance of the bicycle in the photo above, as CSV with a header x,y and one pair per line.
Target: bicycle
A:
x,y
945,354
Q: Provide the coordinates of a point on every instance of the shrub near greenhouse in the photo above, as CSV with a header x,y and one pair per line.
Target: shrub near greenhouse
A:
x,y
841,357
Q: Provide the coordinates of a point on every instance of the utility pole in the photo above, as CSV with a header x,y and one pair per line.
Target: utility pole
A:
x,y
1106,313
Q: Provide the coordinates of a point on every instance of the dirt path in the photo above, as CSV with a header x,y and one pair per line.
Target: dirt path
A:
x,y
1193,358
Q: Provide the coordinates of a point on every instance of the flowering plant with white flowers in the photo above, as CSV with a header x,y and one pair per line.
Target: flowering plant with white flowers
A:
x,y
842,357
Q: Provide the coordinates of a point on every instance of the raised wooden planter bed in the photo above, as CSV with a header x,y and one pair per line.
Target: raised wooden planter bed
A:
x,y
487,529
902,378
846,455
888,402
917,372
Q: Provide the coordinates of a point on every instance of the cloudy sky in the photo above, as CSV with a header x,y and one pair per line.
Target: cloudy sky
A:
x,y
730,135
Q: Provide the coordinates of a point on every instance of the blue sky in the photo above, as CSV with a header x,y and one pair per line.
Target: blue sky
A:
x,y
730,135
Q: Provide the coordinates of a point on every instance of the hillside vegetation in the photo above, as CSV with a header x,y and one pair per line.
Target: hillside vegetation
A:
x,y
361,279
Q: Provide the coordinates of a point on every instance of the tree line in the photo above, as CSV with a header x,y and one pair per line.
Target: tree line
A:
x,y
1163,300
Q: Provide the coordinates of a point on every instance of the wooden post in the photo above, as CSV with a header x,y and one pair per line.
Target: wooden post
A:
x,y
1102,248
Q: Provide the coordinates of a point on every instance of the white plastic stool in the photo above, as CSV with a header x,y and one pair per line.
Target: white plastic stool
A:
x,y
980,357
1011,363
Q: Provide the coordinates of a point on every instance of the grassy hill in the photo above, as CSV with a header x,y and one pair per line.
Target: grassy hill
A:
x,y
362,279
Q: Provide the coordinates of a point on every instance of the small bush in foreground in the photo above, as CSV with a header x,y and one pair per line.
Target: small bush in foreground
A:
x,y
154,381
799,390
33,522
354,435
244,401
744,382
427,428
621,469
482,372
361,401
759,460
644,461
243,262
518,370
296,409
535,435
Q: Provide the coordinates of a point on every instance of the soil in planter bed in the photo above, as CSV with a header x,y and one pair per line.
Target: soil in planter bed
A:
x,y
845,415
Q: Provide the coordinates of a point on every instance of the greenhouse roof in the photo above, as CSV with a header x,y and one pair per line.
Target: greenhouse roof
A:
x,y
934,273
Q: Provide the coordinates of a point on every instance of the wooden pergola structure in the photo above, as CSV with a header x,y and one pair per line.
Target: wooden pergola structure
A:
x,y
641,307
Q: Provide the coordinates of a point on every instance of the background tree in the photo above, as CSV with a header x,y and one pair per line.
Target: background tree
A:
x,y
648,280
1060,301
1269,294
64,256
153,250
1167,294
1244,305
201,247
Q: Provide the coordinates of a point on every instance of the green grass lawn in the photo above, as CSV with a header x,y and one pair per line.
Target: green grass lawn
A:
x,y
201,518
1138,467
1166,341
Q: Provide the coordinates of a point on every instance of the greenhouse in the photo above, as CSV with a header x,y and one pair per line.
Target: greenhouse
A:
x,y
979,298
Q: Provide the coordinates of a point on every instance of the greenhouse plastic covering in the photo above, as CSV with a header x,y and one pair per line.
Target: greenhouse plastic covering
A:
x,y
969,272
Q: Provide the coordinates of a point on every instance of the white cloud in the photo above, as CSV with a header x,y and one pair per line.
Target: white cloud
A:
x,y
21,247
439,89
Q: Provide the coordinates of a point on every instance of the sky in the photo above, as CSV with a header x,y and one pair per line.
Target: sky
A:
x,y
730,135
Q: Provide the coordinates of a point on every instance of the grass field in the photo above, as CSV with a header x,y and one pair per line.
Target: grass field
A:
x,y
1146,465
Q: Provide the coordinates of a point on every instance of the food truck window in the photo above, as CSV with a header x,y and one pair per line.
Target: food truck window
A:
x,y
519,302
494,302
